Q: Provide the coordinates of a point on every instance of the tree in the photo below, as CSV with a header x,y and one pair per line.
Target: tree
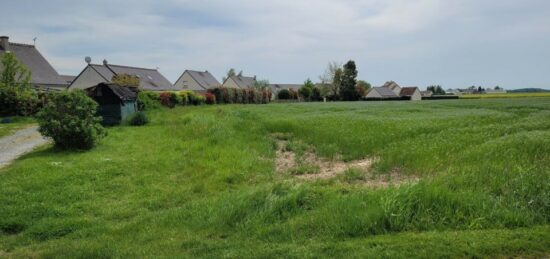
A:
x,y
126,80
436,89
307,89
364,84
347,89
362,87
261,84
497,87
14,74
330,80
16,93
231,72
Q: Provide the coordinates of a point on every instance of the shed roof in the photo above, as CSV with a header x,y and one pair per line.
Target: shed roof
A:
x,y
124,93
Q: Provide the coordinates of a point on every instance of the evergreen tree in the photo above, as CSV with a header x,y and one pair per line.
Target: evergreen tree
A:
x,y
349,81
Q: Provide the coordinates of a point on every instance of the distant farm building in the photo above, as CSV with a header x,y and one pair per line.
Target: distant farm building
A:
x,y
392,91
44,76
149,79
116,103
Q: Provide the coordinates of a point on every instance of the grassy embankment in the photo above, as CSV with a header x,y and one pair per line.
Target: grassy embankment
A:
x,y
200,182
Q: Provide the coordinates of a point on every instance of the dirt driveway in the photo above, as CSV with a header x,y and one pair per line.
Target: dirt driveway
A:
x,y
21,142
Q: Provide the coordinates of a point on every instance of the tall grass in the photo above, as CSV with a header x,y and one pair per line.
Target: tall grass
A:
x,y
200,182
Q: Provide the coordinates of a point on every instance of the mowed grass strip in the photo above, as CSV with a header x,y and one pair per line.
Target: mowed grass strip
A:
x,y
200,182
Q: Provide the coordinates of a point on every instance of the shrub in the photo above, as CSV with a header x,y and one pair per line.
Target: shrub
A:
x,y
284,94
210,98
170,99
148,100
139,119
69,119
199,100
184,95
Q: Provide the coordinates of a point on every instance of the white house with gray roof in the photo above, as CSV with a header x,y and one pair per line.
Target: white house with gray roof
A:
x,y
44,76
196,81
239,81
149,79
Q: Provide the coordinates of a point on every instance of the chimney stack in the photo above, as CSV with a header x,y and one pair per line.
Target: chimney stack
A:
x,y
5,43
105,62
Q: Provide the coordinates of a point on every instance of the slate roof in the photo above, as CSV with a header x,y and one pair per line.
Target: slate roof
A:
x,y
124,93
42,72
204,79
385,92
408,91
278,87
149,79
244,81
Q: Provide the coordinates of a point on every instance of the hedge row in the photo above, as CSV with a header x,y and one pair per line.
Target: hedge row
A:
x,y
223,95
148,100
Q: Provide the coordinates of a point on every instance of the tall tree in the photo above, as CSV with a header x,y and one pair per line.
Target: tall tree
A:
x,y
261,84
330,80
436,89
349,81
14,74
307,89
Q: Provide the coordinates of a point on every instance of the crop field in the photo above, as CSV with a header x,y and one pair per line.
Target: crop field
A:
x,y
506,95
452,178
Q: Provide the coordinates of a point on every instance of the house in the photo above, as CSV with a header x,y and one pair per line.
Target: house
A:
x,y
149,79
116,103
239,81
412,92
196,81
44,76
381,93
393,86
426,93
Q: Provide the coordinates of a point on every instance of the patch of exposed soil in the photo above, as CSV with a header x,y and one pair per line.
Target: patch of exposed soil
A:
x,y
287,160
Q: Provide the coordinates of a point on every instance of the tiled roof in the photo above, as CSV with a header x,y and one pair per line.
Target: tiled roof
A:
x,y
408,91
149,79
41,71
384,92
244,81
204,79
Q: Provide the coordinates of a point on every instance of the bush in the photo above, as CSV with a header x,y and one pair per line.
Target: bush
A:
x,y
148,100
18,101
69,119
283,94
199,100
139,119
210,98
170,99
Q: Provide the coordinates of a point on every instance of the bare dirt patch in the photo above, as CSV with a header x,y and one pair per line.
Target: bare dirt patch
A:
x,y
357,171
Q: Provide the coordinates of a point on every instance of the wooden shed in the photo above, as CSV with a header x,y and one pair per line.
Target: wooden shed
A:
x,y
116,103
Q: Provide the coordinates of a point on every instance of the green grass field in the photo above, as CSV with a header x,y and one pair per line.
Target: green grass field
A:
x,y
506,95
201,182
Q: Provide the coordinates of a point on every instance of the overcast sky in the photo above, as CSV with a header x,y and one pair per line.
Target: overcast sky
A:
x,y
455,43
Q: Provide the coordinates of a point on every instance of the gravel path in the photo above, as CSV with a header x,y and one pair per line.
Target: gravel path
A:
x,y
21,142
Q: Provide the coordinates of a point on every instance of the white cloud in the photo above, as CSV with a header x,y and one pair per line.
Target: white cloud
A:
x,y
412,41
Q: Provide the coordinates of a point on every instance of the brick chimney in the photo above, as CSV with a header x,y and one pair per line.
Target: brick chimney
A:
x,y
5,43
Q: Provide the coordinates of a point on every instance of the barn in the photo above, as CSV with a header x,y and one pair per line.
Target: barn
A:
x,y
116,103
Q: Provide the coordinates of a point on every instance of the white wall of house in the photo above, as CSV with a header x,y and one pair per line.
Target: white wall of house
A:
x,y
417,96
397,90
229,83
373,94
88,78
187,82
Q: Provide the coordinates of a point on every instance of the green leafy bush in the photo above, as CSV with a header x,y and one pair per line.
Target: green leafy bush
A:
x,y
69,119
138,119
148,100
284,94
